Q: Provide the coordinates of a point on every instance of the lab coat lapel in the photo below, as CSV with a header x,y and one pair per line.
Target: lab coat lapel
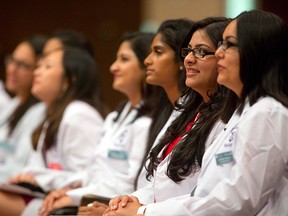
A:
x,y
220,140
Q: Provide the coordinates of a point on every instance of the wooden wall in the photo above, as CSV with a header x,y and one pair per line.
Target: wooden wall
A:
x,y
102,21
279,7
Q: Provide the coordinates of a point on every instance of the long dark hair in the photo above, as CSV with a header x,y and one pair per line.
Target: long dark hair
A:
x,y
263,44
36,42
172,33
140,43
82,74
186,157
71,38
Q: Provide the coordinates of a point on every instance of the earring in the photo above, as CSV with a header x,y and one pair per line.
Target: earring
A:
x,y
64,88
181,67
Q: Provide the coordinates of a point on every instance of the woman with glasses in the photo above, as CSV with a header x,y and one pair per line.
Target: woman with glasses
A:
x,y
245,170
66,81
23,113
175,162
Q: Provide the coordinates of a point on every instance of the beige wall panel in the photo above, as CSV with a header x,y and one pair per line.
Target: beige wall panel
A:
x,y
160,10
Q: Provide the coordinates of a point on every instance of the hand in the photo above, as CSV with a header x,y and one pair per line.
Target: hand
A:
x,y
51,200
130,208
95,209
23,177
123,200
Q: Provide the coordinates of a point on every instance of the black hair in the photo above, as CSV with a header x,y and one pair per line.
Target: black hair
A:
x,y
263,44
186,157
140,42
73,38
173,32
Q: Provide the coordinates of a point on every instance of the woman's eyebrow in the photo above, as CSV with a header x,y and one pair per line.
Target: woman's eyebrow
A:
x,y
230,37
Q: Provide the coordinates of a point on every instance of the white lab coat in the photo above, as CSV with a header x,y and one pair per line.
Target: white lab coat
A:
x,y
118,158
16,148
142,181
162,187
251,175
4,97
78,135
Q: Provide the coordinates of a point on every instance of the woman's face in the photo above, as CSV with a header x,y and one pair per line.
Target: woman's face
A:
x,y
51,45
161,68
128,76
229,61
48,81
201,73
19,70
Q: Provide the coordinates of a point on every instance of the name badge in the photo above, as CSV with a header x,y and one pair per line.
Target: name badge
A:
x,y
6,151
117,154
224,158
7,147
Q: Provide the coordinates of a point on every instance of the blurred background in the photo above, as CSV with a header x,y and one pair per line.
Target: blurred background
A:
x,y
103,22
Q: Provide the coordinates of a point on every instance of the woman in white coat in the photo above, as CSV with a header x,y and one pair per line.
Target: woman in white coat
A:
x,y
115,163
176,160
245,170
23,113
66,81
166,71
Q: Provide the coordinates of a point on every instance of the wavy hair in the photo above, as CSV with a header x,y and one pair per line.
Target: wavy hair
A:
x,y
186,157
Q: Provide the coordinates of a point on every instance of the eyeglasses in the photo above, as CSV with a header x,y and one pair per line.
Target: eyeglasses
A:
x,y
226,44
19,64
197,52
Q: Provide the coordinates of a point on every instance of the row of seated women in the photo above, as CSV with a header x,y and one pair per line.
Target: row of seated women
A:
x,y
203,131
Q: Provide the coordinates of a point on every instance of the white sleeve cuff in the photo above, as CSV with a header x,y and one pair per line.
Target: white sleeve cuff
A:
x,y
141,210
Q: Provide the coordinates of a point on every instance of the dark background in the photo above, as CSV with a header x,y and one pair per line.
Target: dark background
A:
x,y
102,21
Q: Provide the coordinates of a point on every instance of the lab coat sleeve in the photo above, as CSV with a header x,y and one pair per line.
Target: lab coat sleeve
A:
x,y
77,194
78,135
122,181
145,195
22,136
260,160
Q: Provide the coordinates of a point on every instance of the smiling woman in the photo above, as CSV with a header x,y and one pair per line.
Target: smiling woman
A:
x,y
244,171
174,163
